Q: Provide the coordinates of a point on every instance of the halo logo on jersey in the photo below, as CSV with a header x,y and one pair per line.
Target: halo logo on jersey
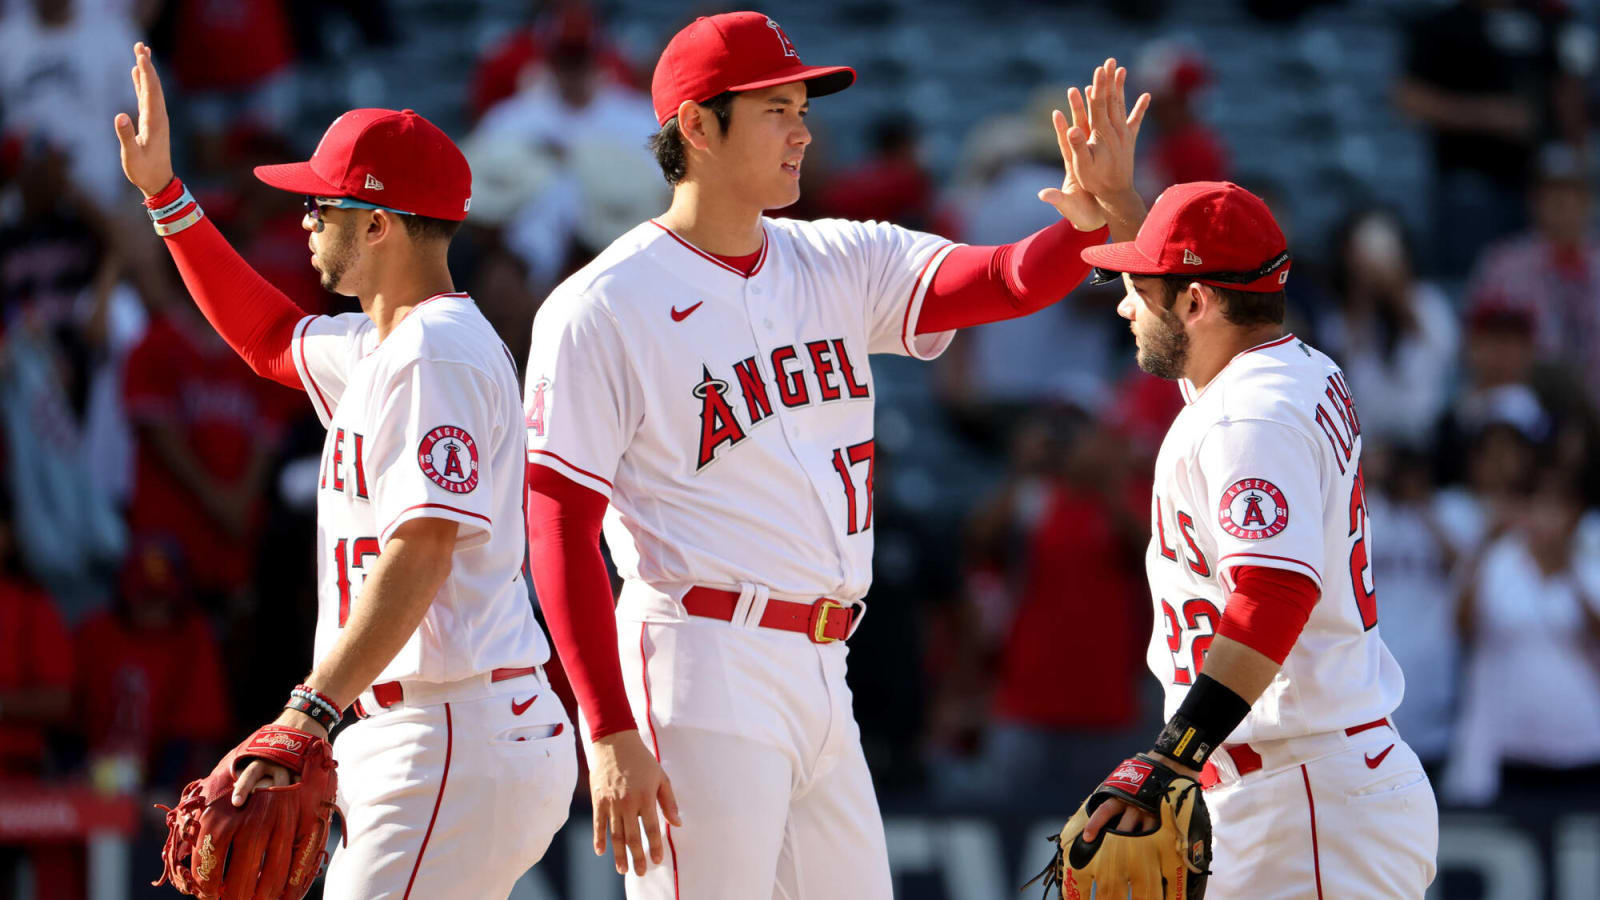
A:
x,y
1253,510
535,417
449,457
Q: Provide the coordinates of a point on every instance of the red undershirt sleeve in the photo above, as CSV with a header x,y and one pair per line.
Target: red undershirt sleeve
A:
x,y
255,318
569,573
975,285
1268,609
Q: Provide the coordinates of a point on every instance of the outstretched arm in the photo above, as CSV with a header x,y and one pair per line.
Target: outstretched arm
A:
x,y
255,318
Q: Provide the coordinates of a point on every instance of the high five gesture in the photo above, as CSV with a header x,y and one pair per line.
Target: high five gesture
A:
x,y
1097,148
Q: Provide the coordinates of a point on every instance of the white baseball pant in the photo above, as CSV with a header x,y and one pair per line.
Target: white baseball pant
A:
x,y
1327,816
756,731
452,798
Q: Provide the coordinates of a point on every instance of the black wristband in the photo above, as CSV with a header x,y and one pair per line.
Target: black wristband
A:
x,y
315,710
1203,721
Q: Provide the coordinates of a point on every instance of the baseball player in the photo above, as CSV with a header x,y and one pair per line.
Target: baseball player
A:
x,y
1278,686
703,391
461,766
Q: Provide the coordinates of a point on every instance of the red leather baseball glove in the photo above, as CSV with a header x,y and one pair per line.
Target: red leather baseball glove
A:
x,y
271,847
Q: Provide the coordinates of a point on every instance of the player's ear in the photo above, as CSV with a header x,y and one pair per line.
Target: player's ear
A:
x,y
1195,301
380,225
693,122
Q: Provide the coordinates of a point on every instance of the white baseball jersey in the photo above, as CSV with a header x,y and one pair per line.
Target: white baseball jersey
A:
x,y
424,424
1263,468
729,418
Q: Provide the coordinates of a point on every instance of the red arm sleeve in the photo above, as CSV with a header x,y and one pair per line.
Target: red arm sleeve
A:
x,y
575,593
975,285
255,318
1268,609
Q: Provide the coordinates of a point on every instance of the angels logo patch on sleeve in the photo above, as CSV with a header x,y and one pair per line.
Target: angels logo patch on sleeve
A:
x,y
449,457
1253,509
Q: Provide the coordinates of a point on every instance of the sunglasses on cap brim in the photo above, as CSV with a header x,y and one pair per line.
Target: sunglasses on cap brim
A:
x,y
1106,276
314,206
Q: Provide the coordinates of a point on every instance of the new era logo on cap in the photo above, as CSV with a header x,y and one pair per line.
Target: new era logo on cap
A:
x,y
1244,248
431,177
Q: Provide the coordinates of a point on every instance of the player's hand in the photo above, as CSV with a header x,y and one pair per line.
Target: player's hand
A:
x,y
1121,815
1075,203
260,773
1097,144
626,784
147,150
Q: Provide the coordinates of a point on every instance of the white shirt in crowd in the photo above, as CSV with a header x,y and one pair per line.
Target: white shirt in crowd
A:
x,y
1532,690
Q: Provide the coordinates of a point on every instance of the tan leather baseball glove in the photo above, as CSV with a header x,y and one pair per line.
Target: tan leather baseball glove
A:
x,y
1170,863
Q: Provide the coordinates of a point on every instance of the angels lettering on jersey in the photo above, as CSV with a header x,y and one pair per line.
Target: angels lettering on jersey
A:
x,y
816,372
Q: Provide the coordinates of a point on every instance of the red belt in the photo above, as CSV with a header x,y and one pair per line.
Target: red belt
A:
x,y
390,692
823,621
1247,760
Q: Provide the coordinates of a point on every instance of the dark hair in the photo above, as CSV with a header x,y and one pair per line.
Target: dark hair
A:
x,y
423,228
1238,307
668,145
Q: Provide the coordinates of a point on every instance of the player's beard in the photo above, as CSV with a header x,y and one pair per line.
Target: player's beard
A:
x,y
335,260
1164,346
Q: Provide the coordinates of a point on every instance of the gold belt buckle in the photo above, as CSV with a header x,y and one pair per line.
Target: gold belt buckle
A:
x,y
819,620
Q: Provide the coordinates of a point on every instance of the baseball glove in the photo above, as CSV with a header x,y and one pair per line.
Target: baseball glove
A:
x,y
1170,863
271,847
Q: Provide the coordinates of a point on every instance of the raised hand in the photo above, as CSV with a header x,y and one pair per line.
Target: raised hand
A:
x,y
1074,201
147,150
1097,148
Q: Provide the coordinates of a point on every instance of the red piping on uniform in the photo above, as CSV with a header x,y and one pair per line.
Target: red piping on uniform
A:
x,y
558,458
905,323
1267,346
300,341
1311,805
644,676
712,259
433,506
449,737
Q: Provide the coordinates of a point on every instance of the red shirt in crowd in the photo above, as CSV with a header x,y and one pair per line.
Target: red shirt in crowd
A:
x,y
1076,623
138,688
515,61
179,375
225,45
1189,153
35,653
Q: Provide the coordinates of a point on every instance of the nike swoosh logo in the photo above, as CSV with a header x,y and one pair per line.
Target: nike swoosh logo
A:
x,y
678,316
1375,761
518,709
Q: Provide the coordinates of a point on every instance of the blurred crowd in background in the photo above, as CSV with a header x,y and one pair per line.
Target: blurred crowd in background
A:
x,y
157,499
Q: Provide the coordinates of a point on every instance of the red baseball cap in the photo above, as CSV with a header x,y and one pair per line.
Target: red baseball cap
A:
x,y
1216,231
739,51
384,157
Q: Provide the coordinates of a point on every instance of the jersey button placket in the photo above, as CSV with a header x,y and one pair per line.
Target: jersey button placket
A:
x,y
791,430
